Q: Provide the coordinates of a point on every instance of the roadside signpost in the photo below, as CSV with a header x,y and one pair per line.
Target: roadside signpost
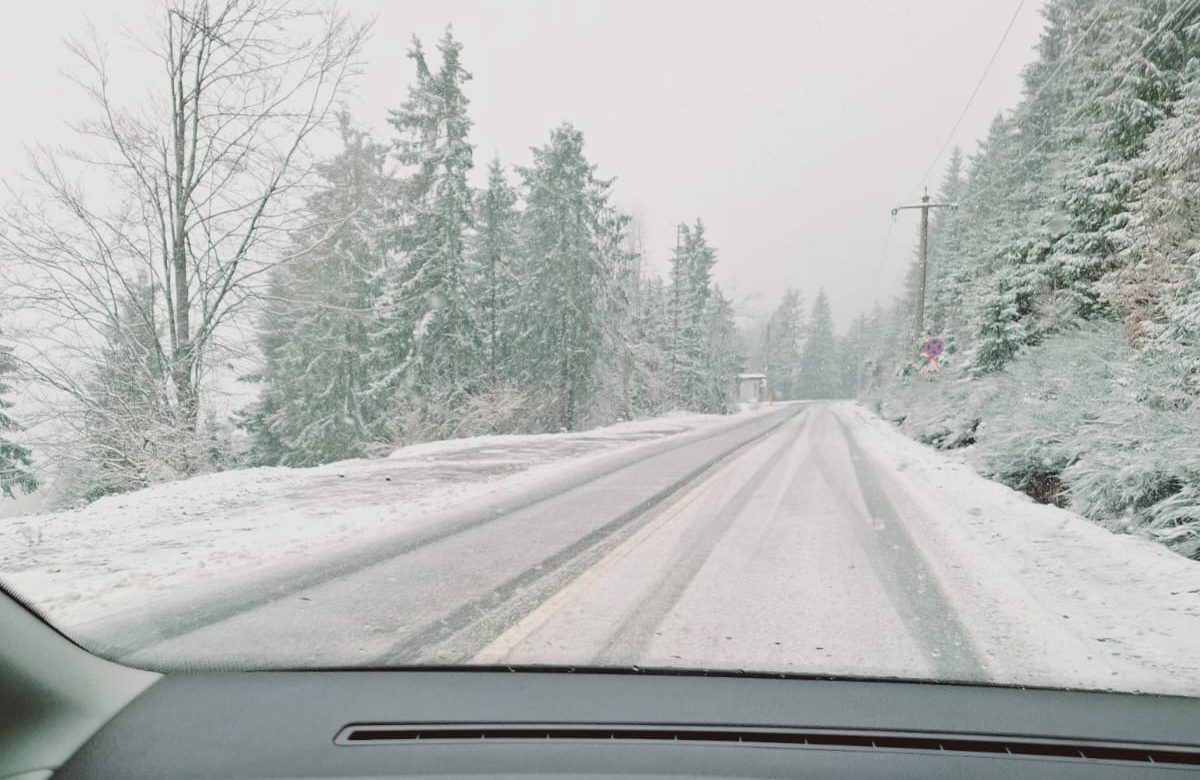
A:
x,y
932,349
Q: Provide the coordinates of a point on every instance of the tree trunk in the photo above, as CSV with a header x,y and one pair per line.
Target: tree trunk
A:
x,y
566,417
181,360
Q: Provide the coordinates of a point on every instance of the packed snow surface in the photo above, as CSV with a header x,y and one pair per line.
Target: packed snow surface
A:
x,y
1050,594
122,550
814,538
842,547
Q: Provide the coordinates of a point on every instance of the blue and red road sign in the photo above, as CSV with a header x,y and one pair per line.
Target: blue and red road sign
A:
x,y
933,348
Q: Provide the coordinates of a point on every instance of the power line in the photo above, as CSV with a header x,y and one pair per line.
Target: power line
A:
x,y
883,255
1084,104
1062,61
970,100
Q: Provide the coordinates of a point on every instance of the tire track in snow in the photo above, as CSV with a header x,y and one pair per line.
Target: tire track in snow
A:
x,y
126,634
912,586
461,634
632,637
755,555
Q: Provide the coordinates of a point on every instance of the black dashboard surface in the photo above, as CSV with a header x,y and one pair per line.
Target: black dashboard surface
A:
x,y
499,723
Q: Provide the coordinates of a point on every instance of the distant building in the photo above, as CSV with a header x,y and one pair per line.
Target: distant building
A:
x,y
752,388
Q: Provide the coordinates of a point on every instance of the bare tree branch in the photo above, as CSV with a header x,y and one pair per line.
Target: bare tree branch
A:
x,y
147,240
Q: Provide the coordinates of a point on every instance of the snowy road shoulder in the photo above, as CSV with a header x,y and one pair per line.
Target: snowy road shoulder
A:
x,y
1058,592
213,530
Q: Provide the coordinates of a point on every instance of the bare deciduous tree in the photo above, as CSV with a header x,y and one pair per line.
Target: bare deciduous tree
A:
x,y
170,209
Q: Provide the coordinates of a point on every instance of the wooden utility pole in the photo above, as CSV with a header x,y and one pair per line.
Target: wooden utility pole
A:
x,y
919,313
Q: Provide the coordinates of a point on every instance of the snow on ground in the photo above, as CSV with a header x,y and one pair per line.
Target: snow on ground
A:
x,y
121,550
1043,583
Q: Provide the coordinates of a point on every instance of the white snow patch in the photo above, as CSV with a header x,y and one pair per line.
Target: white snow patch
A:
x,y
1066,602
122,550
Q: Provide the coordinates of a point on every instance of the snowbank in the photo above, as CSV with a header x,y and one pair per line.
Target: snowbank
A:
x,y
1080,422
1056,591
122,550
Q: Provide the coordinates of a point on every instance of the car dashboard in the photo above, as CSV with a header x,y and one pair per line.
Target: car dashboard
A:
x,y
557,723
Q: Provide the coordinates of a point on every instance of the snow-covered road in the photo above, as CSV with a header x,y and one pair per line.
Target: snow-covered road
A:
x,y
189,541
837,546
808,539
774,562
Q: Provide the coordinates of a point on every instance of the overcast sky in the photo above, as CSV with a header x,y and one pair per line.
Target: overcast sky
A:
x,y
791,128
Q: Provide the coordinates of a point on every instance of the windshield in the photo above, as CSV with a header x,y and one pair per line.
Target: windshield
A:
x,y
820,338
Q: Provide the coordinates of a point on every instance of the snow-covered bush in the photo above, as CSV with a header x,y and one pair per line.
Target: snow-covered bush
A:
x,y
1080,421
1141,472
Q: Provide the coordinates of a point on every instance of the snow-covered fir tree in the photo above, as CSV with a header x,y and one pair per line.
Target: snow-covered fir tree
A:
x,y
680,262
1078,210
723,354
1130,88
691,290
651,344
819,375
567,239
1000,331
851,354
785,340
316,403
947,276
16,461
426,342
496,273
617,369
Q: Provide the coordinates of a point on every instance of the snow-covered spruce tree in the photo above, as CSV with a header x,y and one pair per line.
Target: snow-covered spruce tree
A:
x,y
568,278
876,357
496,271
426,347
676,350
614,398
997,251
851,353
629,331
651,346
723,356
785,338
315,406
1014,180
494,284
999,333
1157,286
990,211
15,460
1129,88
694,367
948,273
1039,126
818,363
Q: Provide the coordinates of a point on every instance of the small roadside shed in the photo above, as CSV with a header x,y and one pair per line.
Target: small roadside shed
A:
x,y
752,388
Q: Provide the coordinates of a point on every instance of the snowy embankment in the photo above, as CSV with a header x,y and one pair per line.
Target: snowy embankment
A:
x,y
124,550
1062,597
1080,421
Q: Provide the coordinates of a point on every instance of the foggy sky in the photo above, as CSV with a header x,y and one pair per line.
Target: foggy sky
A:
x,y
790,128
